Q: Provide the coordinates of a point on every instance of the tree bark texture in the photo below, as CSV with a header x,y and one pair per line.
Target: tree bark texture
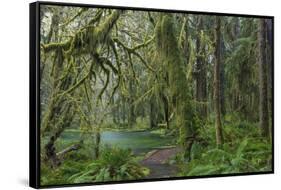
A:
x,y
219,135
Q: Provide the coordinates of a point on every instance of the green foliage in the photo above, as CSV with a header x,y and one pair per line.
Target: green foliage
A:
x,y
219,161
160,131
178,86
241,130
234,129
240,65
113,164
116,75
241,153
241,72
141,123
109,125
74,163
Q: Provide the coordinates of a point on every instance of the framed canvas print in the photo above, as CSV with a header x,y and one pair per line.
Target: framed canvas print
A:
x,y
122,94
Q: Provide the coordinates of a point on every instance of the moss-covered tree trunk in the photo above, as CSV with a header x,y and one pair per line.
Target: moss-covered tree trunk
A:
x,y
59,114
178,88
264,123
200,72
61,110
219,135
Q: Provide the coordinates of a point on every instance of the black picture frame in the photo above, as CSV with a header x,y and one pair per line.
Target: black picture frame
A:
x,y
34,91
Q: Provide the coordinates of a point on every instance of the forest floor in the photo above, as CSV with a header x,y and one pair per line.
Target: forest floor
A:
x,y
156,149
157,161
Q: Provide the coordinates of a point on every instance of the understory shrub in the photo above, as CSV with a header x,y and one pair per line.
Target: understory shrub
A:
x,y
113,164
250,155
73,163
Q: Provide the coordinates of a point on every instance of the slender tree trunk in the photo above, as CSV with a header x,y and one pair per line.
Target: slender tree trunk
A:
x,y
123,109
186,44
200,73
53,33
269,62
114,111
219,135
153,114
222,79
166,110
97,144
264,123
118,111
131,113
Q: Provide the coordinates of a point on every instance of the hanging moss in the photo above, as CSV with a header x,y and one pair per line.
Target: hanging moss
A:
x,y
133,51
87,39
178,87
62,107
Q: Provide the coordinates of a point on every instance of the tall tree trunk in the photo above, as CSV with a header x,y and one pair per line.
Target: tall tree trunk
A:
x,y
186,44
200,73
264,123
269,48
53,33
219,135
179,88
222,79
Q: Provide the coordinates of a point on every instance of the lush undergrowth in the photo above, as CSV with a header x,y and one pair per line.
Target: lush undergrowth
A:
x,y
190,89
244,151
113,164
73,163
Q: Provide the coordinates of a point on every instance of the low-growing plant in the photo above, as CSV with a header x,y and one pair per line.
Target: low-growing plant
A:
x,y
113,164
250,155
72,163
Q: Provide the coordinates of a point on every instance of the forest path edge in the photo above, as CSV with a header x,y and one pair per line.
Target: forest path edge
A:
x,y
157,162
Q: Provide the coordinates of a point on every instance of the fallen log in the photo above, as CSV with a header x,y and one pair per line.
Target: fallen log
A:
x,y
73,147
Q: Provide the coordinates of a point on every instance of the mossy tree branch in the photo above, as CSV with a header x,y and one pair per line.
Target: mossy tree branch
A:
x,y
134,52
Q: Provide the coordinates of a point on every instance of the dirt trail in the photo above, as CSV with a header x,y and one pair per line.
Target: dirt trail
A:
x,y
157,160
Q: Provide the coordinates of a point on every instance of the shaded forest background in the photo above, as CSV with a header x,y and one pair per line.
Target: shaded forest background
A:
x,y
202,82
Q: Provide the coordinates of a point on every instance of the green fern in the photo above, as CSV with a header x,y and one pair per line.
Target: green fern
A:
x,y
250,155
203,170
114,164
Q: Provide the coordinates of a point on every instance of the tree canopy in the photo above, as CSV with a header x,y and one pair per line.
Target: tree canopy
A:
x,y
191,83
